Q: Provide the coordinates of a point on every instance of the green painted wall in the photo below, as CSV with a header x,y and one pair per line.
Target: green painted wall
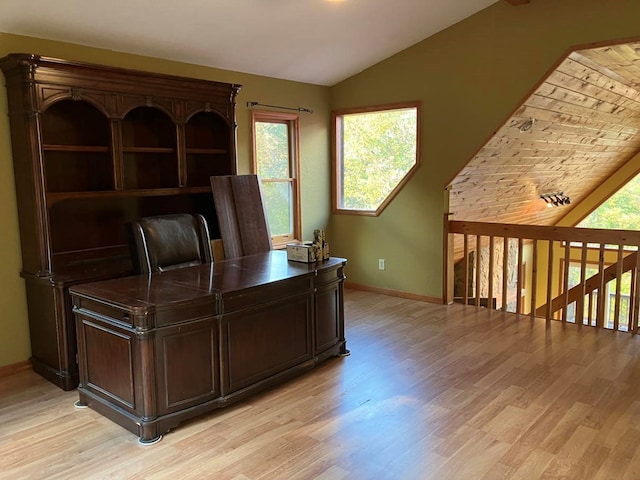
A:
x,y
314,152
470,78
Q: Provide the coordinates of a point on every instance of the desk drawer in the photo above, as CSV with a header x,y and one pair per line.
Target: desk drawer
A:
x,y
239,300
102,309
325,277
174,314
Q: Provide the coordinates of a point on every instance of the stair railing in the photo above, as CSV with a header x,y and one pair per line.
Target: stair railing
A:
x,y
563,273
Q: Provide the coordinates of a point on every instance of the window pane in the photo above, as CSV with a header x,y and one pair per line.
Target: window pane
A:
x,y
276,162
620,211
277,199
378,149
272,150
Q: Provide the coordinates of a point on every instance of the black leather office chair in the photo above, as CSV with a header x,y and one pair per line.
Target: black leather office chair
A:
x,y
166,242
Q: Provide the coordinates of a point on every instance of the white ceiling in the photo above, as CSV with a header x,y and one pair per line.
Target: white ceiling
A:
x,y
314,41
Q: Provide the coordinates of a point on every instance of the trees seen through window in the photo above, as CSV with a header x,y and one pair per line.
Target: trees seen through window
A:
x,y
275,160
620,211
376,152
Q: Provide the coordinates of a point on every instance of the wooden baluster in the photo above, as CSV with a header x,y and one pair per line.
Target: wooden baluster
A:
x,y
635,284
549,281
448,277
491,270
601,289
465,271
583,286
505,272
534,278
616,310
565,279
478,270
519,281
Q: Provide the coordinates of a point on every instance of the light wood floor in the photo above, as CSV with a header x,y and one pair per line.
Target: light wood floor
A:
x,y
429,392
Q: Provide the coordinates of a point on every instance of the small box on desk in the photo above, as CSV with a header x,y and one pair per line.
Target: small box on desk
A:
x,y
306,252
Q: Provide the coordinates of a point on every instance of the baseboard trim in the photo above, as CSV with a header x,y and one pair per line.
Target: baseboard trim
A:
x,y
14,368
393,293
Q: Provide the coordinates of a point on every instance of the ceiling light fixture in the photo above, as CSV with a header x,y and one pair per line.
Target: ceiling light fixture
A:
x,y
526,126
556,199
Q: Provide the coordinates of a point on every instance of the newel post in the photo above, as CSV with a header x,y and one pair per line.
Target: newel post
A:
x,y
447,269
635,295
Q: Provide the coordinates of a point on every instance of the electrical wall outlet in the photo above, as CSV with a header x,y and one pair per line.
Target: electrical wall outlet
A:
x,y
381,264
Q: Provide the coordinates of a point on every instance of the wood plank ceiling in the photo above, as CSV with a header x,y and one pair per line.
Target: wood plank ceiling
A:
x,y
580,125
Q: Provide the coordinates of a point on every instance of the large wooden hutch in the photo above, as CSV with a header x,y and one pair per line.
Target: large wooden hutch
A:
x,y
94,147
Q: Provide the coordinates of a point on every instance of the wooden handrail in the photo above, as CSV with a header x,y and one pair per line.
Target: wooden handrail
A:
x,y
558,234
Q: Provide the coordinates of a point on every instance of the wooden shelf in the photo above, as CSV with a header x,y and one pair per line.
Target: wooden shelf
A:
x,y
75,148
148,150
53,198
207,151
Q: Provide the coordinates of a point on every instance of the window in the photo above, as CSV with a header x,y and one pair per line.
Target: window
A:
x,y
275,160
376,152
620,211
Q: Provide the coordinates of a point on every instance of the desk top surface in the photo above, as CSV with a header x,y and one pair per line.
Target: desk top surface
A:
x,y
202,281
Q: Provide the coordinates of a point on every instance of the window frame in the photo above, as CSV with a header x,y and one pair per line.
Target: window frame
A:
x,y
292,120
336,149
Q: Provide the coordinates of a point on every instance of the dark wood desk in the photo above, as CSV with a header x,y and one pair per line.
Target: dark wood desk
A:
x,y
155,350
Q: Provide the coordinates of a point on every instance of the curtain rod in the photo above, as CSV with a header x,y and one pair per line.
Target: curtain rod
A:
x,y
297,109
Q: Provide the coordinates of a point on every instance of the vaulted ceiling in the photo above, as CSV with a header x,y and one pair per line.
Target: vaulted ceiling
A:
x,y
314,41
579,126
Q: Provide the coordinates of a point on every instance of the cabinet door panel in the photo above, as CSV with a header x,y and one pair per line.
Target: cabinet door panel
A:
x,y
266,341
327,330
108,370
188,365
